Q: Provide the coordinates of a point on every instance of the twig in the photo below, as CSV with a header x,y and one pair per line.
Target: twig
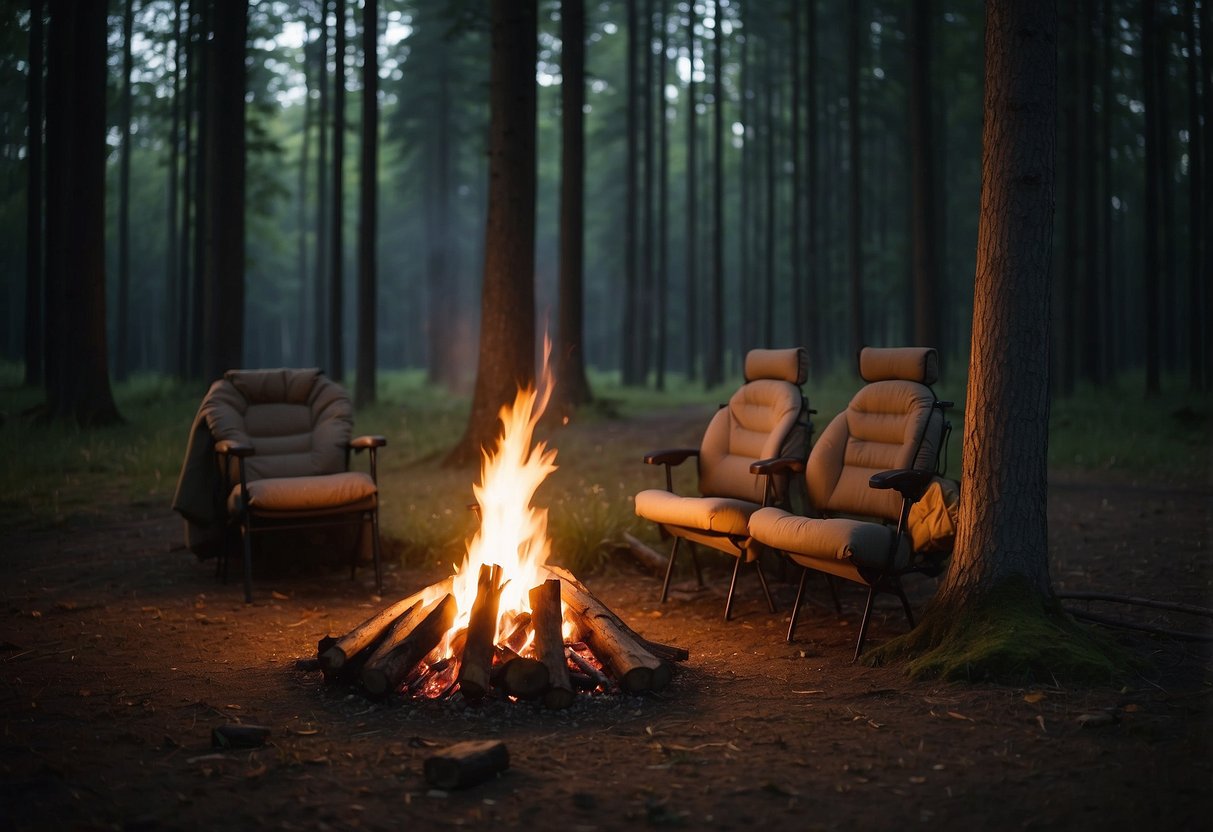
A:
x,y
1146,628
1139,602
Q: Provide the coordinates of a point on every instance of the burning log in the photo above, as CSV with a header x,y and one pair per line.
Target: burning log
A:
x,y
525,678
549,644
466,764
662,651
334,653
388,671
482,628
596,677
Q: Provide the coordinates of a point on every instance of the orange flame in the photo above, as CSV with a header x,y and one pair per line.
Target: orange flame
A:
x,y
513,533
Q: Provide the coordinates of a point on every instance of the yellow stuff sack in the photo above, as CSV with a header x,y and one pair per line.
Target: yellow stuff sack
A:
x,y
933,518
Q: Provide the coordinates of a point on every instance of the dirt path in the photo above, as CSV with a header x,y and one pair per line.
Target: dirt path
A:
x,y
117,658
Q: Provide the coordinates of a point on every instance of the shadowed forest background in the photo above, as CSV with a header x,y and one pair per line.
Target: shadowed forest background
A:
x,y
757,175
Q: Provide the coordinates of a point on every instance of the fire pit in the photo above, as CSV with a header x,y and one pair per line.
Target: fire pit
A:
x,y
506,621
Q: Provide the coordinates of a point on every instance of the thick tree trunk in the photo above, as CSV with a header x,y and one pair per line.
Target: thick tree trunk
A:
x,y
123,325
770,188
796,250
184,258
336,286
33,201
306,296
172,263
572,387
644,318
631,285
77,378
1153,189
1198,239
811,313
1091,334
225,151
204,61
855,192
922,178
320,286
663,198
713,370
1002,534
507,313
364,385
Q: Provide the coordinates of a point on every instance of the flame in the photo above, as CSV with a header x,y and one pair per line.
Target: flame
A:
x,y
513,533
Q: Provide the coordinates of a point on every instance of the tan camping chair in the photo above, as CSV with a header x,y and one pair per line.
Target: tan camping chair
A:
x,y
767,416
270,450
873,461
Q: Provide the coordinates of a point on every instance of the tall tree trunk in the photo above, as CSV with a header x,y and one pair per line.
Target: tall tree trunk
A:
x,y
572,387
1066,349
507,311
631,288
364,385
768,258
644,327
122,345
225,151
796,249
1153,188
198,288
663,194
172,257
922,177
1206,71
747,330
1198,240
185,336
1092,296
811,313
1169,283
441,286
336,358
77,371
1108,349
33,201
713,371
320,285
692,208
306,295
855,204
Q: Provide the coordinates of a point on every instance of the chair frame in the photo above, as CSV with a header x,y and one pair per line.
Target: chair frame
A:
x,y
911,484
244,518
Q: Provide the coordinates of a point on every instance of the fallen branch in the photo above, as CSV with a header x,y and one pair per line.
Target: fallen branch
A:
x,y
1172,606
652,560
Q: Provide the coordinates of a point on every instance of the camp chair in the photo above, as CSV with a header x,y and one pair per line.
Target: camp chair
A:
x,y
270,450
873,461
768,415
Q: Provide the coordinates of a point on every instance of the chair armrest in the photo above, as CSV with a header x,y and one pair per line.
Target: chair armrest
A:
x,y
778,465
230,447
361,443
673,456
910,483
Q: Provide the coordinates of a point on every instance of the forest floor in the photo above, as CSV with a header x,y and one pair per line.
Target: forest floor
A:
x,y
120,652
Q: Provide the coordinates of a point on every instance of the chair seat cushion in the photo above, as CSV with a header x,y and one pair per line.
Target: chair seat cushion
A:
x,y
864,544
722,515
327,494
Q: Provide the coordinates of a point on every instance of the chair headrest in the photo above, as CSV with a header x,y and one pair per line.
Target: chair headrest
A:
x,y
285,385
782,365
919,364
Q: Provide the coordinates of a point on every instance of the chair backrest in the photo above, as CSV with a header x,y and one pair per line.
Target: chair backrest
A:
x,y
892,422
767,417
298,421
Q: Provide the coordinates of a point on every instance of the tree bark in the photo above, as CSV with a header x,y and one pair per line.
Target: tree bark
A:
x,y
225,151
713,371
77,377
1002,533
692,208
922,177
123,325
306,295
1153,187
1198,239
336,285
187,51
628,324
364,385
663,197
855,192
507,317
796,250
811,313
320,335
572,388
643,325
172,275
202,60
33,201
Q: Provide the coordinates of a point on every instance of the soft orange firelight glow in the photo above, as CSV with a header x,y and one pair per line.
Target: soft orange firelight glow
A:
x,y
513,533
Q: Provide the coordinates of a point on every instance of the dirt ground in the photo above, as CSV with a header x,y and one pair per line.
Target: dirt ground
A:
x,y
118,656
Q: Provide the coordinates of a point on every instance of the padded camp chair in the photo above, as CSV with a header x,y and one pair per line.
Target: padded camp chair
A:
x,y
767,416
873,461
272,447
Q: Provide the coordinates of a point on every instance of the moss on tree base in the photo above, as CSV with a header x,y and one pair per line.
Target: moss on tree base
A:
x,y
1009,634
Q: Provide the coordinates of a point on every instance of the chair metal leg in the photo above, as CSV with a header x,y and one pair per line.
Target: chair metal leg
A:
x,y
863,628
695,561
765,589
804,577
728,604
246,532
669,569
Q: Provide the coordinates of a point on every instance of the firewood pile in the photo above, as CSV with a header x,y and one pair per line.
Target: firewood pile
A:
x,y
400,651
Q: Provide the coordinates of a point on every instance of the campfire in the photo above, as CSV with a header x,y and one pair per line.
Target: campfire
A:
x,y
506,621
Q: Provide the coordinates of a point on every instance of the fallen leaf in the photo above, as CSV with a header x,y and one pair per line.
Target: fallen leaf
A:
x,y
1033,697
1131,708
1040,720
278,596
918,780
955,715
422,742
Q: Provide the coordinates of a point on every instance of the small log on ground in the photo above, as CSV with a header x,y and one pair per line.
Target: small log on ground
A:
x,y
466,764
652,560
334,653
662,651
546,619
482,628
391,669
